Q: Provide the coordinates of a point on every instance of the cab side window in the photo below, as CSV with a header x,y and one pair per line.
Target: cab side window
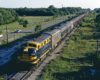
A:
x,y
41,44
44,42
50,39
38,46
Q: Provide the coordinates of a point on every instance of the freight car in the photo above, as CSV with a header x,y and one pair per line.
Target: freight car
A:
x,y
33,51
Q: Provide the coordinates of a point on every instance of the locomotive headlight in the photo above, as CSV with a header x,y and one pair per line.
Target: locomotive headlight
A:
x,y
34,53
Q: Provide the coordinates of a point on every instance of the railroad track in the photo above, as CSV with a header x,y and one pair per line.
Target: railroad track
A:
x,y
22,75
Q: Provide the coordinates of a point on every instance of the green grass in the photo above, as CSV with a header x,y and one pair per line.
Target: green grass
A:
x,y
30,18
36,18
76,58
15,25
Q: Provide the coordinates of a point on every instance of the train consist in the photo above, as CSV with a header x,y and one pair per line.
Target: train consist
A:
x,y
33,51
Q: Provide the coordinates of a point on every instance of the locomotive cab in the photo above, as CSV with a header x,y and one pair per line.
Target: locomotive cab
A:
x,y
27,52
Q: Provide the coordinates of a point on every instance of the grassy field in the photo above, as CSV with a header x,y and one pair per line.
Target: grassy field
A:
x,y
76,58
33,21
36,18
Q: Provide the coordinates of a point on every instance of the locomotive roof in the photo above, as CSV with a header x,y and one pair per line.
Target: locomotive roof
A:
x,y
42,38
54,31
63,25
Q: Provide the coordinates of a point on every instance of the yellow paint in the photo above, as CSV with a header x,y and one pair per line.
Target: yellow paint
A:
x,y
42,44
32,58
26,58
35,43
39,58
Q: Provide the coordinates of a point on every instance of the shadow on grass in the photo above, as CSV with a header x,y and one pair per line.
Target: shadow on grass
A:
x,y
87,37
25,32
83,74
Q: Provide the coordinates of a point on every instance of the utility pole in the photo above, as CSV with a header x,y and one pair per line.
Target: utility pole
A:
x,y
97,44
7,34
96,33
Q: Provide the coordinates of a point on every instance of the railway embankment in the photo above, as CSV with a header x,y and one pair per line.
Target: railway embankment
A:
x,y
78,58
10,53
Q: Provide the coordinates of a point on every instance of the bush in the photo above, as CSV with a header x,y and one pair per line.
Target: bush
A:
x,y
4,41
24,25
96,61
0,31
87,20
37,28
23,22
26,22
93,25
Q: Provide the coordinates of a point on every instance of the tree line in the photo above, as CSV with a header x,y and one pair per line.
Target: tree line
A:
x,y
50,11
97,21
8,16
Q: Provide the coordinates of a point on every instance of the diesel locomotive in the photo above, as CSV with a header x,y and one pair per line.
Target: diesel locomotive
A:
x,y
33,51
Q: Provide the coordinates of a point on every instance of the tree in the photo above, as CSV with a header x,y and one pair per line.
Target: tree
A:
x,y
51,7
24,25
0,31
26,22
23,22
7,16
50,11
1,19
37,28
97,18
55,16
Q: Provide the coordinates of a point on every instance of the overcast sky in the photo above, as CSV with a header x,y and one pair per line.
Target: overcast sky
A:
x,y
46,3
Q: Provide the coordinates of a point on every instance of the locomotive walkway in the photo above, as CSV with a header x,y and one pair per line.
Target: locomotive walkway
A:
x,y
31,29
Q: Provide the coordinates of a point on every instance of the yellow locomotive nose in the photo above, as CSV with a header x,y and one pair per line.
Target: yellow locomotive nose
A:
x,y
27,55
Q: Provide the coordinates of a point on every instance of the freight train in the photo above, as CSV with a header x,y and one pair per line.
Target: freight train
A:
x,y
33,51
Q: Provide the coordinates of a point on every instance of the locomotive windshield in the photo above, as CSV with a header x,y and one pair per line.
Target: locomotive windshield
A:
x,y
32,45
23,45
